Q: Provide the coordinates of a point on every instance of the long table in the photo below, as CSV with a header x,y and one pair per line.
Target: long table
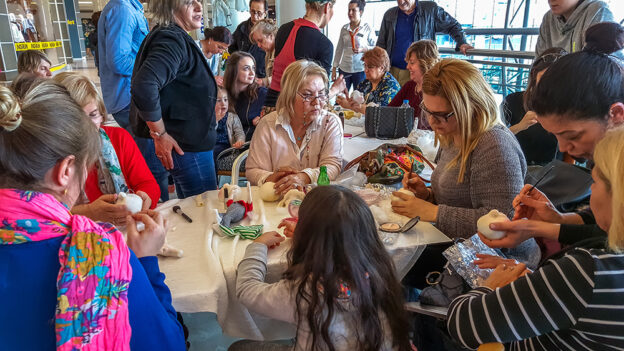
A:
x,y
204,279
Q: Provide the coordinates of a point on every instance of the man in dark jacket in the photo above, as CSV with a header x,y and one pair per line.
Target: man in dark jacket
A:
x,y
257,10
410,21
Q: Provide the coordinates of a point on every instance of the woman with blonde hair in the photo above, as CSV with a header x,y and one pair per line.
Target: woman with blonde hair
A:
x,y
263,34
572,302
290,145
480,166
421,56
120,166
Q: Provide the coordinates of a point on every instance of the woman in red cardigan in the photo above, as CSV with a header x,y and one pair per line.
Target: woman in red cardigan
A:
x,y
121,167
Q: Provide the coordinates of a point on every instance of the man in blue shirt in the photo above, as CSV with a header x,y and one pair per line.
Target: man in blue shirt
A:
x,y
121,30
410,21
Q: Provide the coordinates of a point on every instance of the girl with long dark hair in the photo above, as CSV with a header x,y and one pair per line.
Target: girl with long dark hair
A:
x,y
340,287
246,96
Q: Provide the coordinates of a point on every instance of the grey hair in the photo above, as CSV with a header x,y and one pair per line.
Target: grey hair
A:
x,y
52,128
163,10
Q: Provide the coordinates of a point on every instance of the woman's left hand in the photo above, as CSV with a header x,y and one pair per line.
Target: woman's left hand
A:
x,y
147,201
411,206
505,274
291,181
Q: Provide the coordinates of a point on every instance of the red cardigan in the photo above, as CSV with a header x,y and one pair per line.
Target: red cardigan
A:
x,y
408,92
138,176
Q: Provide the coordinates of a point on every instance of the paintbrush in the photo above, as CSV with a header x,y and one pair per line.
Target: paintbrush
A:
x,y
540,179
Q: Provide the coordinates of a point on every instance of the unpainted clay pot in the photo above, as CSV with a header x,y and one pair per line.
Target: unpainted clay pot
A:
x,y
267,192
133,202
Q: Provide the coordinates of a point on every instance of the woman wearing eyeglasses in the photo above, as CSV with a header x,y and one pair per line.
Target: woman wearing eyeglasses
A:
x,y
291,144
379,87
538,145
480,166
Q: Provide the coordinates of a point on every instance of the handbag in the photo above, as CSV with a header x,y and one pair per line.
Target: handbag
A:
x,y
388,163
225,159
443,287
565,185
386,122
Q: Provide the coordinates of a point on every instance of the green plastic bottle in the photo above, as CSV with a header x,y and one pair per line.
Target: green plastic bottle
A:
x,y
323,179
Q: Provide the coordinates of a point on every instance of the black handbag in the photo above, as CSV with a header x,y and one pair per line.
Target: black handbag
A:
x,y
385,122
565,185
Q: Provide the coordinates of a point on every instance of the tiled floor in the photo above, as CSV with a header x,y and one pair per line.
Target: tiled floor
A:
x,y
204,332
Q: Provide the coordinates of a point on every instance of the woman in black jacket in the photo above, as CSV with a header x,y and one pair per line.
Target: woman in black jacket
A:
x,y
173,97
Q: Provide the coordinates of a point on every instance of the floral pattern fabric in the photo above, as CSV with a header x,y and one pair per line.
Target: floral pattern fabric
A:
x,y
92,284
387,88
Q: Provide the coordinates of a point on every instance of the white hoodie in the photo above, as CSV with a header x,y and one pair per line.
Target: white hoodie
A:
x,y
570,34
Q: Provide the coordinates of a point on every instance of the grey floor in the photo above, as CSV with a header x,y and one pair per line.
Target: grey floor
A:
x,y
205,333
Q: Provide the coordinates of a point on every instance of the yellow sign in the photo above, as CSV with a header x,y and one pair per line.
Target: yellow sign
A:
x,y
39,45
71,22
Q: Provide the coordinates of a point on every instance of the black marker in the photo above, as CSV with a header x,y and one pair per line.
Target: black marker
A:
x,y
178,210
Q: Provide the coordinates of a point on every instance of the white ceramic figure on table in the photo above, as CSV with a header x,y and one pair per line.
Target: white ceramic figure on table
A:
x,y
483,224
402,191
292,194
133,202
267,192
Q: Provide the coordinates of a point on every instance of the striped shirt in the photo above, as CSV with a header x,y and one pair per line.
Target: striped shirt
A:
x,y
581,309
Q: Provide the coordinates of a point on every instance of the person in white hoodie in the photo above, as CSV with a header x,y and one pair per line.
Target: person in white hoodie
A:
x,y
565,24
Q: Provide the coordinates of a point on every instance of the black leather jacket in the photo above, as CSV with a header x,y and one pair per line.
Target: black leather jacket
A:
x,y
241,42
431,19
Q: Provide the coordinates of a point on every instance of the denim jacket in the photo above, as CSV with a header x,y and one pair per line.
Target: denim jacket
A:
x,y
430,19
121,30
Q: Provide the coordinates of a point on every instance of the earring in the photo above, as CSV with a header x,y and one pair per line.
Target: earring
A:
x,y
65,192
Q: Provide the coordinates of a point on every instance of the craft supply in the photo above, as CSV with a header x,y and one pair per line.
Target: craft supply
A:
x,y
392,227
292,194
170,251
540,179
267,192
246,232
199,201
178,210
226,197
483,224
133,202
235,213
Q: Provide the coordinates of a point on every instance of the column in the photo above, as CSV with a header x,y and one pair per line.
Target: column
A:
x,y
288,10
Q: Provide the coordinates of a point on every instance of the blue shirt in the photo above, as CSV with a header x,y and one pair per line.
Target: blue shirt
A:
x,y
387,88
222,132
121,30
404,36
28,275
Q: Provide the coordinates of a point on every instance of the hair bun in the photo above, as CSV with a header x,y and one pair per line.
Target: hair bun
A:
x,y
10,112
604,38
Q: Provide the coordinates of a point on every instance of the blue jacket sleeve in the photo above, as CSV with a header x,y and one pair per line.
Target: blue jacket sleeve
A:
x,y
152,316
119,40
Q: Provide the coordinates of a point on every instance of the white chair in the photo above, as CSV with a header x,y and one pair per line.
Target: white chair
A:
x,y
236,166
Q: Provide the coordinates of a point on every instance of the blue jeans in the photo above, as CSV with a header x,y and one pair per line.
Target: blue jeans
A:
x,y
193,173
123,119
352,78
146,146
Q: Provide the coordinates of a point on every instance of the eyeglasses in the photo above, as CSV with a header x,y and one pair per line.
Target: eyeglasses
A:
x,y
369,66
548,58
256,13
322,98
439,116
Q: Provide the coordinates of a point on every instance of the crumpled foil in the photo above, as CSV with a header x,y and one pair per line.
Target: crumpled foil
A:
x,y
462,255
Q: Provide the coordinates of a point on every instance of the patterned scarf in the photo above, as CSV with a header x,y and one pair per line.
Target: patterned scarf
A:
x,y
110,178
92,284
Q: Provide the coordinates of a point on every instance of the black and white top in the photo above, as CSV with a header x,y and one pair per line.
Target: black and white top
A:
x,y
572,303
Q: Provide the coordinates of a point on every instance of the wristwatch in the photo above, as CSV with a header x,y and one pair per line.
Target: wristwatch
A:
x,y
156,134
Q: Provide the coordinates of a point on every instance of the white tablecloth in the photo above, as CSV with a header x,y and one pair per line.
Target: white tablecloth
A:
x,y
359,143
204,279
